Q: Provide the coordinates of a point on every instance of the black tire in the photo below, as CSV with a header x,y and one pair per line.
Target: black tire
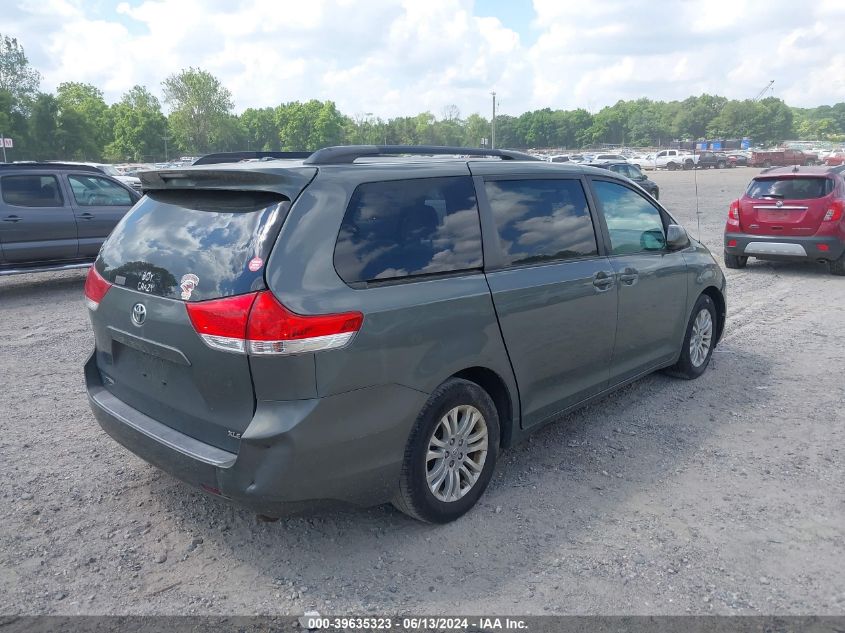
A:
x,y
837,266
720,165
671,166
735,261
414,496
685,368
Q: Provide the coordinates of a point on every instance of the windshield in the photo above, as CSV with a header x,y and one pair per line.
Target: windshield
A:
x,y
790,188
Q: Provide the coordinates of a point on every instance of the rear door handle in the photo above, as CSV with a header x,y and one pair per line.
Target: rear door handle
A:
x,y
603,281
86,216
629,276
12,218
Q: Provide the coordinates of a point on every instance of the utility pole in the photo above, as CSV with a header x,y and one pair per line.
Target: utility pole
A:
x,y
369,116
166,138
493,130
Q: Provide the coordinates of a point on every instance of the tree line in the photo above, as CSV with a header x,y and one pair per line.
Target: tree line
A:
x,y
75,123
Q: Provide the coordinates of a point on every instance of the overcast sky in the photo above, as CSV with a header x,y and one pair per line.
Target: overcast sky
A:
x,y
397,57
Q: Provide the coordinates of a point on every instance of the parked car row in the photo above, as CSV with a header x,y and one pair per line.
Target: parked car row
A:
x,y
670,159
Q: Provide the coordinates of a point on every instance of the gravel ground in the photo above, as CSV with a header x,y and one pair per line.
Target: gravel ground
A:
x,y
722,495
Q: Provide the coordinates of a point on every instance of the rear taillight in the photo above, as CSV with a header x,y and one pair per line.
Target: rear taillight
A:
x,y
733,214
834,211
273,329
257,323
221,323
95,288
733,211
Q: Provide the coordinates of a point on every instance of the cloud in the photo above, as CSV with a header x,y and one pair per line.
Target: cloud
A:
x,y
400,57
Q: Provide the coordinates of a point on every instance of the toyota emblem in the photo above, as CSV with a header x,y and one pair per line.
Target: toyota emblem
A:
x,y
139,314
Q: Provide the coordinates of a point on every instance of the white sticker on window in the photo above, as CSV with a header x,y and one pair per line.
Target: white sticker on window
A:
x,y
187,284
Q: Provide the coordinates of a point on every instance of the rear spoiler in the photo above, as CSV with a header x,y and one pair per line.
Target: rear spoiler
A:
x,y
236,157
274,179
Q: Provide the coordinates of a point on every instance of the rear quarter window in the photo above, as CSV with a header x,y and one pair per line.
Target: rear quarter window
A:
x,y
791,188
408,228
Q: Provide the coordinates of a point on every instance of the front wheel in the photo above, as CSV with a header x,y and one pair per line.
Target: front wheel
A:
x,y
699,341
451,453
671,166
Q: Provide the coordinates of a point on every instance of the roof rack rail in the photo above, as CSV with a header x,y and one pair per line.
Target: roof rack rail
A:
x,y
343,154
235,157
34,164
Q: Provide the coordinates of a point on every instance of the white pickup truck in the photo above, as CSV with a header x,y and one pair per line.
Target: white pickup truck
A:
x,y
673,159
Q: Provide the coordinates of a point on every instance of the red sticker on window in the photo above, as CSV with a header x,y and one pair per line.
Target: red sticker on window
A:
x,y
255,264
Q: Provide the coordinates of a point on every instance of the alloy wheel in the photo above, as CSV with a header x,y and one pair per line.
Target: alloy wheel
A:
x,y
701,338
456,453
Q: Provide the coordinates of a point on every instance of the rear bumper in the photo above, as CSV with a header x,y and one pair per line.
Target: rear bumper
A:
x,y
295,456
784,248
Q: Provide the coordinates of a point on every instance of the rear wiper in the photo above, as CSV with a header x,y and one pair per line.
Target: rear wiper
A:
x,y
774,195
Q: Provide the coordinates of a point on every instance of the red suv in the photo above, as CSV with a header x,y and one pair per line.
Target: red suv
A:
x,y
789,213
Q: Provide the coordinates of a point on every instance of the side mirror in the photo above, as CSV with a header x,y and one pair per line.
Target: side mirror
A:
x,y
676,237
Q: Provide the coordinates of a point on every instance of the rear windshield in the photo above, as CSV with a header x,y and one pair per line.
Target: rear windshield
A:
x,y
194,245
791,188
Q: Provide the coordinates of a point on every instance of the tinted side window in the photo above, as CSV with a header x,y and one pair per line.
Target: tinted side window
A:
x,y
541,220
93,191
634,224
31,191
402,228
